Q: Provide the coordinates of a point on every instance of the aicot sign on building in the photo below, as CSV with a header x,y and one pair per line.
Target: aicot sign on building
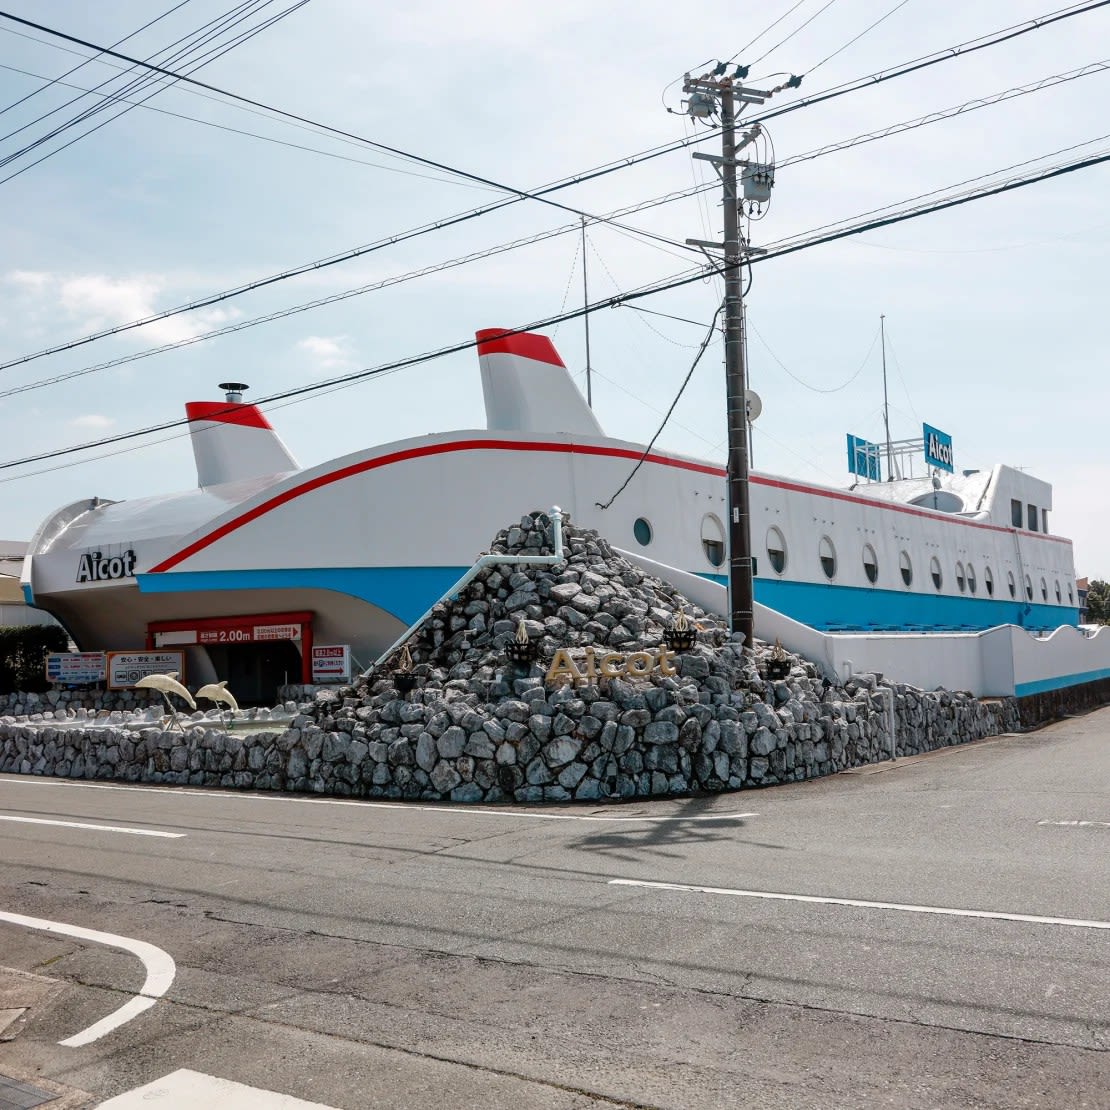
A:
x,y
95,566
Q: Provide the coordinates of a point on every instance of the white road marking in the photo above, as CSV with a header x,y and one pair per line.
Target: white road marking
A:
x,y
160,972
396,807
1078,824
995,915
193,1090
99,828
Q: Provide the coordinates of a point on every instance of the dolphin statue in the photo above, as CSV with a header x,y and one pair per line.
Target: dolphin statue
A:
x,y
218,692
167,684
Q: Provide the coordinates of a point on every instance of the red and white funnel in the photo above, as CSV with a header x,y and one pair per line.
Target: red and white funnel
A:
x,y
233,441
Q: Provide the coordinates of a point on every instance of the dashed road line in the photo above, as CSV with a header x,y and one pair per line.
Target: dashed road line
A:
x,y
160,972
859,903
1078,824
98,828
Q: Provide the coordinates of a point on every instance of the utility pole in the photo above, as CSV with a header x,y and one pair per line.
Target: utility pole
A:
x,y
708,95
586,318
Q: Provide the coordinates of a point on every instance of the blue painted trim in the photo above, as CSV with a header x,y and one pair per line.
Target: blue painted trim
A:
x,y
1024,689
830,607
28,593
405,592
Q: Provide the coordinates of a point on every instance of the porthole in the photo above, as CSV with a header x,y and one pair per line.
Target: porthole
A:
x,y
1044,590
961,582
1059,596
971,583
1028,588
1011,583
988,581
870,563
1071,596
934,570
642,531
776,550
827,554
713,539
906,567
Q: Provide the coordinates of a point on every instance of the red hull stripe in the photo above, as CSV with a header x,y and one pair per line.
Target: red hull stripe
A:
x,y
226,412
428,451
494,341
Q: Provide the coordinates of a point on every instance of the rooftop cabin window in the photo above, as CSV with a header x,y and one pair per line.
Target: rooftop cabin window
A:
x,y
1044,521
1015,512
1032,518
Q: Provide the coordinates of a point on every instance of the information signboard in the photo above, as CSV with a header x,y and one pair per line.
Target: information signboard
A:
x,y
76,668
863,459
125,668
331,663
938,448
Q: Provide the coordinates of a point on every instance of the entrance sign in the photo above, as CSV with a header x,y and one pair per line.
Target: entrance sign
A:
x,y
938,448
331,663
77,668
610,664
125,668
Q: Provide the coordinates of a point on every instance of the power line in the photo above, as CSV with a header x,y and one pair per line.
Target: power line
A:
x,y
765,30
652,289
865,31
844,89
801,27
801,381
419,159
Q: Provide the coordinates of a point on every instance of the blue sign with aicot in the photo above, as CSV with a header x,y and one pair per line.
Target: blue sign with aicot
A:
x,y
938,448
863,458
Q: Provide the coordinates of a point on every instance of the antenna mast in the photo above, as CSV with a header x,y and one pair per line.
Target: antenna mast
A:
x,y
886,406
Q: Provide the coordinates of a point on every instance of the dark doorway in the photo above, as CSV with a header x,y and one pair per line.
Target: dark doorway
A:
x,y
255,671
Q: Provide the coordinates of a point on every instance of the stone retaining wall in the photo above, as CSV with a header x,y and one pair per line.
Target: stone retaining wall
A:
x,y
477,729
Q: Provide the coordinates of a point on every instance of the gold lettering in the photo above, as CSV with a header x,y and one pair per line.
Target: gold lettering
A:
x,y
639,664
562,666
606,666
665,656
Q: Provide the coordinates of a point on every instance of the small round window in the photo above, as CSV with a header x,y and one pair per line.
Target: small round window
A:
x,y
1071,596
1059,595
988,580
906,567
1011,583
1028,588
1044,590
934,570
776,550
713,539
827,554
870,563
971,583
642,531
961,582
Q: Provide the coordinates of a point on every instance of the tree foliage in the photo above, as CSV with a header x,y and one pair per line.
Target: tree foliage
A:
x,y
1098,602
23,652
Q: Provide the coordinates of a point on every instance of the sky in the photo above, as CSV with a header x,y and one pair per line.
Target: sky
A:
x,y
994,311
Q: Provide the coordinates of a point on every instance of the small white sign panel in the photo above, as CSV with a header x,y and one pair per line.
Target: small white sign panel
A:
x,y
125,668
76,668
331,663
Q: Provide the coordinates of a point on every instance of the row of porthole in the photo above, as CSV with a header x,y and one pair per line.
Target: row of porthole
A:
x,y
966,581
713,544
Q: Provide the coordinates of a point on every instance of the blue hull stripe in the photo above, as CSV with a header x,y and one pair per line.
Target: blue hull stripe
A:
x,y
405,592
1024,689
28,594
854,608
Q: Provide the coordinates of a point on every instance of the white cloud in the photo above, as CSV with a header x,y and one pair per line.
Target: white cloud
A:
x,y
29,279
92,420
327,353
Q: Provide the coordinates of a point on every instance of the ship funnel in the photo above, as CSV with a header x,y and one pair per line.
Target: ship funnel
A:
x,y
233,441
527,387
233,391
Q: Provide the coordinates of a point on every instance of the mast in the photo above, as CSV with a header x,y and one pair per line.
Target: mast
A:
x,y
886,406
586,318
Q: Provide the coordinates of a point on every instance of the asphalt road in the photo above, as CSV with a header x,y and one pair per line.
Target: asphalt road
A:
x,y
376,955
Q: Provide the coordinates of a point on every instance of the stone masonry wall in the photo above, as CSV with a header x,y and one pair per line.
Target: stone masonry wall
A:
x,y
477,729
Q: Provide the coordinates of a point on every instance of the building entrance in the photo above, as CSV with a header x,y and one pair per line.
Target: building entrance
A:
x,y
255,671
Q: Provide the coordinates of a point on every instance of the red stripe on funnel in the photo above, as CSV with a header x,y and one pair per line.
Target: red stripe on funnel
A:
x,y
226,412
494,341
